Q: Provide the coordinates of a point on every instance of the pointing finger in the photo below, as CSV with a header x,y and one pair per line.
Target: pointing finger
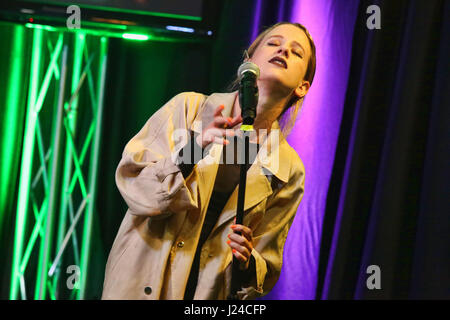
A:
x,y
218,111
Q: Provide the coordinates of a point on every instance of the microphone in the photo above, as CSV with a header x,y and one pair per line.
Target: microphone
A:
x,y
248,73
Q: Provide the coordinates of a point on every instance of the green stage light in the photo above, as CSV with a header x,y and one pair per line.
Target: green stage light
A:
x,y
40,26
133,36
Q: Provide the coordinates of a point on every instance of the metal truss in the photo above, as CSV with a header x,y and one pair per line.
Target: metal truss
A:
x,y
55,204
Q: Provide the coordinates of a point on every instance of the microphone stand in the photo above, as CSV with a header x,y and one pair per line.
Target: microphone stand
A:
x,y
248,98
236,272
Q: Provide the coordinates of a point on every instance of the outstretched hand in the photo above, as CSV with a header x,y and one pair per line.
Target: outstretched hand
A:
x,y
217,131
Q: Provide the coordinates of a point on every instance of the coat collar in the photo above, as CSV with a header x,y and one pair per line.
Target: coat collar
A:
x,y
276,159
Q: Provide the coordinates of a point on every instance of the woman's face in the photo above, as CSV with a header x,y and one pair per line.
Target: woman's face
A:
x,y
289,43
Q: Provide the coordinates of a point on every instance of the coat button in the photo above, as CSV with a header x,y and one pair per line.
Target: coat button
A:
x,y
180,244
148,290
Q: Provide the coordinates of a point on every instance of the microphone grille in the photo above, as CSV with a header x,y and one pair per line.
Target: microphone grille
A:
x,y
248,67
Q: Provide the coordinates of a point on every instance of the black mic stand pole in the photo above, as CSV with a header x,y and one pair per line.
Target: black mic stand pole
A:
x,y
248,98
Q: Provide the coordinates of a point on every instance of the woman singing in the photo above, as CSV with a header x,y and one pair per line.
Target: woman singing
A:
x,y
178,237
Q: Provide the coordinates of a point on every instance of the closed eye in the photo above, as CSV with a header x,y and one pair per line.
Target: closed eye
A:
x,y
275,44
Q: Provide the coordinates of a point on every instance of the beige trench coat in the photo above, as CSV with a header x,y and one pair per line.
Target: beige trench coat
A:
x,y
155,245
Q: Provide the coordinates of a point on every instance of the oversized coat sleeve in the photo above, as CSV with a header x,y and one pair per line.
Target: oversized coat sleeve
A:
x,y
148,177
270,236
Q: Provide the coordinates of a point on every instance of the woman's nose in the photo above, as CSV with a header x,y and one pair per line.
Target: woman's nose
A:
x,y
284,51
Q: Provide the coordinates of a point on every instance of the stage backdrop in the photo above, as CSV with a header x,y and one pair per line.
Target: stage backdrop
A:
x,y
142,76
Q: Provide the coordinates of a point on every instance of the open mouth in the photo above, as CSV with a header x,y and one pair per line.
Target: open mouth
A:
x,y
279,62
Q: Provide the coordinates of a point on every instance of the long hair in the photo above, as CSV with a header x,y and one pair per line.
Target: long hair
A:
x,y
290,111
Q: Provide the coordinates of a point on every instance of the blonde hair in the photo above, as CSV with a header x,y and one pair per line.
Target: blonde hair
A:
x,y
289,114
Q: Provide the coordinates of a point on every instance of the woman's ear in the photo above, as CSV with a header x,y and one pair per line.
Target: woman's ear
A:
x,y
302,89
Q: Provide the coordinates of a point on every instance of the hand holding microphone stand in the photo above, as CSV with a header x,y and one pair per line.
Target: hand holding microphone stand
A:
x,y
248,73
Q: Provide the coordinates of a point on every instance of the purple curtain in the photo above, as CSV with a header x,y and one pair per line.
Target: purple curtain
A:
x,y
387,205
